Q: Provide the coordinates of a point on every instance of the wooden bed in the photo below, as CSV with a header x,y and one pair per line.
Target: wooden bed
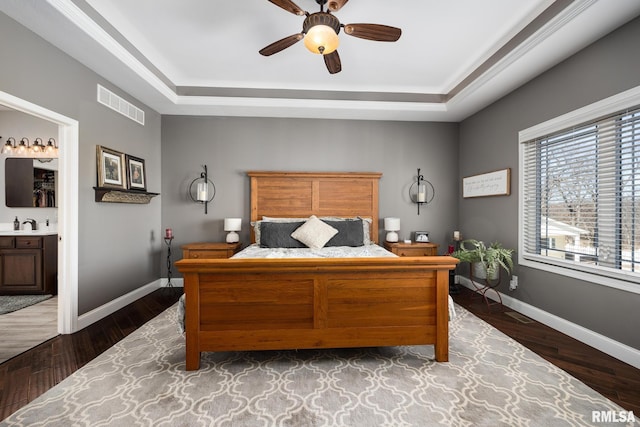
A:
x,y
270,304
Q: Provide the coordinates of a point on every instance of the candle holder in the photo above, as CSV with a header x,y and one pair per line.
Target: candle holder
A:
x,y
421,191
202,189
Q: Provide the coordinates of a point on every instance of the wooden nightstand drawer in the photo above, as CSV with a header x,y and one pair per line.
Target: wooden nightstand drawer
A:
x,y
412,249
415,252
209,250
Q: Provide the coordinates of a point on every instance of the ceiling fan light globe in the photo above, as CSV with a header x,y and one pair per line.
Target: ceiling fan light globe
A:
x,y
321,39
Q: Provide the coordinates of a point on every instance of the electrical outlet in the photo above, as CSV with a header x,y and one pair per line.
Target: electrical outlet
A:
x,y
513,284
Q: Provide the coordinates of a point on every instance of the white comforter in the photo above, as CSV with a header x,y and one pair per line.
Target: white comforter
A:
x,y
255,251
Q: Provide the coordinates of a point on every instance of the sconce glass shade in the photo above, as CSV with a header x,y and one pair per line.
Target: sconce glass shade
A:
x,y
232,225
8,146
321,33
21,150
422,192
202,192
392,225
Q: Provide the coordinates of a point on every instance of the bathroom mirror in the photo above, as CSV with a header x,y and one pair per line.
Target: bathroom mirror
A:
x,y
30,183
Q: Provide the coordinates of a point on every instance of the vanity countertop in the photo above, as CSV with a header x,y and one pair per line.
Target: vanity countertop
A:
x,y
45,232
6,229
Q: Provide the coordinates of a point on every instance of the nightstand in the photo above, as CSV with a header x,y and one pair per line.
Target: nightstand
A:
x,y
412,249
209,250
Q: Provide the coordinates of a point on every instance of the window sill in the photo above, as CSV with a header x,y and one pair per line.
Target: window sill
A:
x,y
611,281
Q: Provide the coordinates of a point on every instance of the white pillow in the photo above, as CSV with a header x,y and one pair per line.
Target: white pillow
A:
x,y
314,233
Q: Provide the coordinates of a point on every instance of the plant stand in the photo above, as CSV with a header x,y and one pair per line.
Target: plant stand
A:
x,y
485,284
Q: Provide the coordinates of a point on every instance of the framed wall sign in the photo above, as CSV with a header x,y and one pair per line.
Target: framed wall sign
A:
x,y
497,183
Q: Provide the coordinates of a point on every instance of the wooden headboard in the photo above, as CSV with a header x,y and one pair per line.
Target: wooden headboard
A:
x,y
301,194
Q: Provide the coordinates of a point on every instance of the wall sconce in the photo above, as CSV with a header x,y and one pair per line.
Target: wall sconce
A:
x,y
392,225
204,191
421,191
232,225
51,149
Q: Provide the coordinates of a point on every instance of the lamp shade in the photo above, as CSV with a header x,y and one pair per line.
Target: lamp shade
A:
x,y
232,224
392,224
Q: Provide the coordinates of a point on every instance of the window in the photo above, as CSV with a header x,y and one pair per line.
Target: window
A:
x,y
580,195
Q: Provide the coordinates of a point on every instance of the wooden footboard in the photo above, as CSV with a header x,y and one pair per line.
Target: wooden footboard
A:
x,y
270,304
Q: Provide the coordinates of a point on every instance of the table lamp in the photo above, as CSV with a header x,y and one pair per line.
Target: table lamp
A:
x,y
392,225
232,225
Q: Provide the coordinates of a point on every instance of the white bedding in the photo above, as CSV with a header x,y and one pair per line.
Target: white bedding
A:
x,y
255,251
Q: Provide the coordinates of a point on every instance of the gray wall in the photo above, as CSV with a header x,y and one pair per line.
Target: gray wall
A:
x,y
232,146
489,141
119,248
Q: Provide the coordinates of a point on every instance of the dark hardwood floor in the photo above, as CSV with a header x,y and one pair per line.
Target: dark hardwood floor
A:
x,y
30,374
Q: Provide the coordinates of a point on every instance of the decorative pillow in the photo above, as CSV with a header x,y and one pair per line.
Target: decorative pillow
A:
x,y
314,233
350,232
278,234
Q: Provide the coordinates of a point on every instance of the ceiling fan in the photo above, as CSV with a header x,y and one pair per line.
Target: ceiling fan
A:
x,y
320,32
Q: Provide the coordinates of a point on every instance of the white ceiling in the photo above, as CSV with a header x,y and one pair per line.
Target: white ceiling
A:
x,y
200,57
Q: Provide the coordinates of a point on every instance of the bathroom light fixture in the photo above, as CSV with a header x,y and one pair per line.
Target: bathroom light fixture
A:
x,y
26,149
232,225
392,225
204,191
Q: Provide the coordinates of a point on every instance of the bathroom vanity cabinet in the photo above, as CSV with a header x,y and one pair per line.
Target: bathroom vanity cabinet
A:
x,y
28,264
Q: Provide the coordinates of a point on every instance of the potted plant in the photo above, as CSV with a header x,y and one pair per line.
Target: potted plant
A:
x,y
486,261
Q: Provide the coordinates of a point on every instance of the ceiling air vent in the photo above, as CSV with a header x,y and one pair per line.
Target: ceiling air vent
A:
x,y
113,101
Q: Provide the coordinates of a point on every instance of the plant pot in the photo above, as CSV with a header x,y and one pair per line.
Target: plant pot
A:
x,y
479,271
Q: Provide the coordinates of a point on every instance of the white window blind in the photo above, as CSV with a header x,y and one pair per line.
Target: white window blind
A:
x,y
581,197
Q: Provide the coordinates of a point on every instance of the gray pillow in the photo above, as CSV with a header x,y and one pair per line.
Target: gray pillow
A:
x,y
350,233
278,235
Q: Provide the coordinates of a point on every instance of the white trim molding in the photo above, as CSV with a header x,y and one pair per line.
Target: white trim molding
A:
x,y
605,344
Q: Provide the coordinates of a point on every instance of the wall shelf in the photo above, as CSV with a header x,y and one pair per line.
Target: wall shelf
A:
x,y
120,195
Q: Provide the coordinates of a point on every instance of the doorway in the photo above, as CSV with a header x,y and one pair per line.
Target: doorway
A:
x,y
68,140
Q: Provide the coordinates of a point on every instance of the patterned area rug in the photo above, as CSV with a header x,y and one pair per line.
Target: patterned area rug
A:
x,y
10,303
490,380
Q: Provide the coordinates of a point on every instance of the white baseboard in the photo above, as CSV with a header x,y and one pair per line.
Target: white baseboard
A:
x,y
605,344
115,305
176,283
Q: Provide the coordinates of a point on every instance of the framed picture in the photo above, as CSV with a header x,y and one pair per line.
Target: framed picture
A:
x,y
421,236
136,179
497,183
111,171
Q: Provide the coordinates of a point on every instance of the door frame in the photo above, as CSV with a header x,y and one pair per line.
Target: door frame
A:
x,y
68,144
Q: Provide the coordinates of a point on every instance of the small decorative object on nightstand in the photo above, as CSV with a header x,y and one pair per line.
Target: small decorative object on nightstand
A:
x,y
232,225
412,249
392,225
210,250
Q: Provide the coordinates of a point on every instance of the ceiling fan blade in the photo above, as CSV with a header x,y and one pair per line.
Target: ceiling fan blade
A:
x,y
332,61
282,44
289,6
376,32
336,5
